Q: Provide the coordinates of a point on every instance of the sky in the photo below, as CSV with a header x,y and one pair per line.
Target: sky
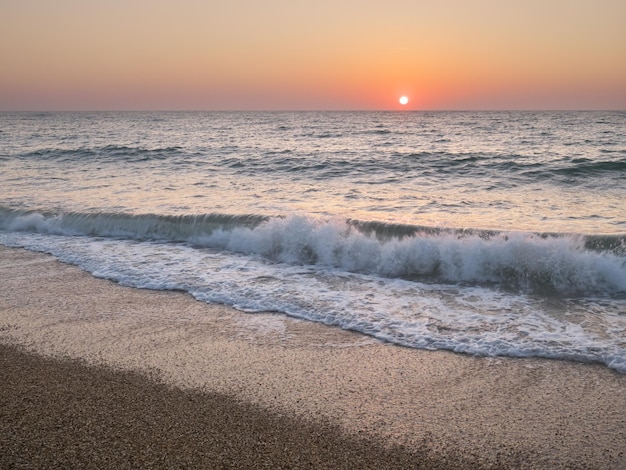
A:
x,y
312,54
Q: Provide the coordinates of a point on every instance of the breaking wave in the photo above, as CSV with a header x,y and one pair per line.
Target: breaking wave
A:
x,y
546,264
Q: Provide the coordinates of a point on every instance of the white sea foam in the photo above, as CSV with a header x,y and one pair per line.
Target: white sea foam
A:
x,y
468,319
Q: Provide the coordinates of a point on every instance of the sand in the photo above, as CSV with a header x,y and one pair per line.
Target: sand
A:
x,y
113,376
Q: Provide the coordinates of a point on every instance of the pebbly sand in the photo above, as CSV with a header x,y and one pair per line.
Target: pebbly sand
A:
x,y
94,374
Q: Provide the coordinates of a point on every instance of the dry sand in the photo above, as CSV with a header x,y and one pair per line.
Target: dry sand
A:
x,y
284,392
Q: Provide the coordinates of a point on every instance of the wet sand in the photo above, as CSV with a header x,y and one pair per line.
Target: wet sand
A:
x,y
102,375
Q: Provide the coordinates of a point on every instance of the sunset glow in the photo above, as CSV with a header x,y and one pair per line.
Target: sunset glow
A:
x,y
563,54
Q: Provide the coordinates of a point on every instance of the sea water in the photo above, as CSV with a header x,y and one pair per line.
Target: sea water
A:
x,y
489,233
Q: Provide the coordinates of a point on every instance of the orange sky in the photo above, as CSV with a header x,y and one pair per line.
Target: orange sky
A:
x,y
312,54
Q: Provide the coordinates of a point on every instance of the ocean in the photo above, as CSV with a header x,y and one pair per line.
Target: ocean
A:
x,y
487,233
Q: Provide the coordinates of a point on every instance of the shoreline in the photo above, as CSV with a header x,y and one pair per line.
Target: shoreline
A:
x,y
450,410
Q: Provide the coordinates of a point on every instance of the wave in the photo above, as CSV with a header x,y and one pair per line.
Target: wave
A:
x,y
546,264
104,153
183,228
500,167
587,167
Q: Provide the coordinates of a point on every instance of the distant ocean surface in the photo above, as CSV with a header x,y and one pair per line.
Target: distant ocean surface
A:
x,y
489,233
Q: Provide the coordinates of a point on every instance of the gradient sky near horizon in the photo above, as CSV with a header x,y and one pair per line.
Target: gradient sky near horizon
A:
x,y
312,54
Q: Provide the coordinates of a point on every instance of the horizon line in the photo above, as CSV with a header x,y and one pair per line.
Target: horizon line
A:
x,y
451,110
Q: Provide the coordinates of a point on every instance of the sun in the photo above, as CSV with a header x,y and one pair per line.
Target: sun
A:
x,y
404,100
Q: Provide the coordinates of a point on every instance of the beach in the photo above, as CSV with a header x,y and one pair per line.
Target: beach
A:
x,y
95,370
